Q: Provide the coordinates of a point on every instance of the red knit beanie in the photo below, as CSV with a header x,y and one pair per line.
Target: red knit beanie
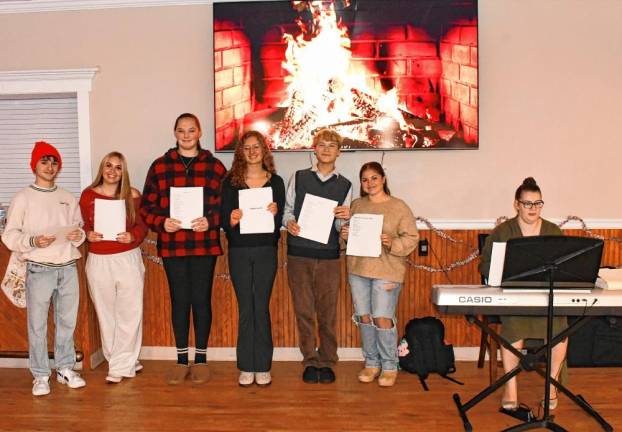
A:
x,y
44,149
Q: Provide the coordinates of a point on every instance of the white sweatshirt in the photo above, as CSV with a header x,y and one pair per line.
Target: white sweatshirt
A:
x,y
35,211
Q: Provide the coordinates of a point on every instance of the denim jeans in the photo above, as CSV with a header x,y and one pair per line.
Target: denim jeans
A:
x,y
376,298
59,285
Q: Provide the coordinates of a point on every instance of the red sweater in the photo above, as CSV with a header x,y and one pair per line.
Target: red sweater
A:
x,y
106,247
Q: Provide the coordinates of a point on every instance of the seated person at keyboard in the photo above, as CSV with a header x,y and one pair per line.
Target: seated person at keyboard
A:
x,y
515,329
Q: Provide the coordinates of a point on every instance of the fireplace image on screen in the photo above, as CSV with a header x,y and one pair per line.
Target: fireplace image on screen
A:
x,y
387,75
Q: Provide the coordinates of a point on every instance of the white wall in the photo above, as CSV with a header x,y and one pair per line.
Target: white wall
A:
x,y
550,94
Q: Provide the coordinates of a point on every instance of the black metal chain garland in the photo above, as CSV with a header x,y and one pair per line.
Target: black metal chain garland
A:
x,y
442,234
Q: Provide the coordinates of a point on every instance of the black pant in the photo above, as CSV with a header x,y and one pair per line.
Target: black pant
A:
x,y
190,282
253,270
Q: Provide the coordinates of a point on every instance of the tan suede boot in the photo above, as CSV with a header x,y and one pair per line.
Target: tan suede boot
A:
x,y
387,378
177,374
199,373
368,374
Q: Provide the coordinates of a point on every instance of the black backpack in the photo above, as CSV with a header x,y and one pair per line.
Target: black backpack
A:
x,y
426,351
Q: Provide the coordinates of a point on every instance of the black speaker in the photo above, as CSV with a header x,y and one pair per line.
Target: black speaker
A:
x,y
598,343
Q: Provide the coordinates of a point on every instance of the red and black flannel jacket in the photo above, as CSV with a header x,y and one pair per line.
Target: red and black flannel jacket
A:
x,y
167,171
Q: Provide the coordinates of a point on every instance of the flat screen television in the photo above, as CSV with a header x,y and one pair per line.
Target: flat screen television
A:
x,y
386,75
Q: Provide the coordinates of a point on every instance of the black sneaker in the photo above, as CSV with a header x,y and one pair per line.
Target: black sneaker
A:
x,y
327,376
310,375
522,413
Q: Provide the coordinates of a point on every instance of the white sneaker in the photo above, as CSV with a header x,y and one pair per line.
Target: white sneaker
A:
x,y
41,386
263,378
246,379
138,366
114,379
70,378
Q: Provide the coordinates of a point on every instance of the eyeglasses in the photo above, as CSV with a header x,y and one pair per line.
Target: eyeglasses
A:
x,y
530,204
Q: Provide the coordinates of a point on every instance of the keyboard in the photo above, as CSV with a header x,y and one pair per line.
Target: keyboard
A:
x,y
486,300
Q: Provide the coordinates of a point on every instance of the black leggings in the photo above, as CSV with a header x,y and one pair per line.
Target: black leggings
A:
x,y
252,271
190,282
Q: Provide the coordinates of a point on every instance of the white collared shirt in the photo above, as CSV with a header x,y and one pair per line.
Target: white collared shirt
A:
x,y
290,197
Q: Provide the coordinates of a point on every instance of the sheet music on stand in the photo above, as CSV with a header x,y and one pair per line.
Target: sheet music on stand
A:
x,y
497,259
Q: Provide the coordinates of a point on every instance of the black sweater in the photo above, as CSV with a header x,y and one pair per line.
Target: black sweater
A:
x,y
230,202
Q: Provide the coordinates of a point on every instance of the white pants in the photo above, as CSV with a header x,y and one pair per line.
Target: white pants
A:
x,y
116,287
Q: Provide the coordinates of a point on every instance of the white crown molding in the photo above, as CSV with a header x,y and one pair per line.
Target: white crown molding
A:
x,y
471,224
26,6
46,81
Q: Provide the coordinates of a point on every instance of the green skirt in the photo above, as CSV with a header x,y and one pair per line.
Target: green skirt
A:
x,y
515,328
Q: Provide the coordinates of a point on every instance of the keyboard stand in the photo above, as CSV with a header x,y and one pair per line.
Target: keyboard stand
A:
x,y
528,362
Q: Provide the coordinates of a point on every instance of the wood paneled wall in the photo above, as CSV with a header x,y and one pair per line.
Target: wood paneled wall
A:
x,y
414,299
14,333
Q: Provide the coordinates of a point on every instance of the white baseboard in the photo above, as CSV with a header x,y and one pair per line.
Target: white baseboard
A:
x,y
281,354
17,363
97,358
22,363
228,354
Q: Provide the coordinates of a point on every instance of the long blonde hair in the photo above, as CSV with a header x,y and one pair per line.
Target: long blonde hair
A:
x,y
124,189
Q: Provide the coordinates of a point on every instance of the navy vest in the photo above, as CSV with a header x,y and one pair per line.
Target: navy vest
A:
x,y
336,188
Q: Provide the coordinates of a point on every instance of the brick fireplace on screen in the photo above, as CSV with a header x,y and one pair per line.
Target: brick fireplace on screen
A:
x,y
432,68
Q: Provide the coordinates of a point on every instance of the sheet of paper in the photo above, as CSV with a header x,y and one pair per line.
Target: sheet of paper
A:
x,y
316,218
609,279
364,235
109,218
186,204
255,215
60,232
497,258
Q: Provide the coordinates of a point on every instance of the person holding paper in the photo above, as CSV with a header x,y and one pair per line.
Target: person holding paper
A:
x,y
36,216
189,255
253,257
528,222
114,268
313,268
376,282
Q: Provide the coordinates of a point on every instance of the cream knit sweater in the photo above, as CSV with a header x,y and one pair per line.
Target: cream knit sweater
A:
x,y
399,222
35,211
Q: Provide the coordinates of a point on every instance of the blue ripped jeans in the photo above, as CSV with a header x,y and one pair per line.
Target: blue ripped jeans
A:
x,y
376,298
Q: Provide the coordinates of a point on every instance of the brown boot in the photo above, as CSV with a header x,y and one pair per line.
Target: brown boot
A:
x,y
368,374
199,373
387,378
177,374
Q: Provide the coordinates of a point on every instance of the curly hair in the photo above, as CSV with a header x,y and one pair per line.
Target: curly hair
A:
x,y
237,173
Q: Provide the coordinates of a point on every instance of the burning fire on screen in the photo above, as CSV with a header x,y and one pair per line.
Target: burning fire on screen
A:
x,y
325,89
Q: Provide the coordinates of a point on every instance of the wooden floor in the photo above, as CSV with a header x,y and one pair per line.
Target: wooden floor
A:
x,y
147,403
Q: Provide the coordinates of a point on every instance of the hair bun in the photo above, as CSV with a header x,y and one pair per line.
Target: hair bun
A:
x,y
530,181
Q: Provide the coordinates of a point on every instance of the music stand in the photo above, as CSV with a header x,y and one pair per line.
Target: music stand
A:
x,y
558,259
560,262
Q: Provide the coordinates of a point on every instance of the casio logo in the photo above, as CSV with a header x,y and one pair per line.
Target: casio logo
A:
x,y
475,299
